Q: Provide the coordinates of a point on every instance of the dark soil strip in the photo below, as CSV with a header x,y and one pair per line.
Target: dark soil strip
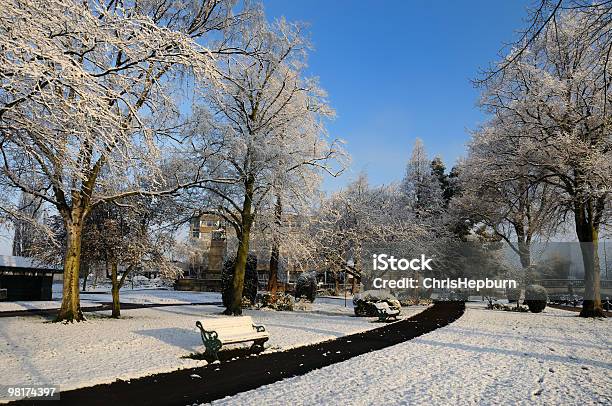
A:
x,y
231,377
100,307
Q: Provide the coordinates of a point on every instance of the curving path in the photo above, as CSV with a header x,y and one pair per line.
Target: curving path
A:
x,y
216,381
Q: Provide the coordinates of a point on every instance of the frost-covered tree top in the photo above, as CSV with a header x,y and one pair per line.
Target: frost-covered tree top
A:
x,y
420,186
92,88
262,123
552,107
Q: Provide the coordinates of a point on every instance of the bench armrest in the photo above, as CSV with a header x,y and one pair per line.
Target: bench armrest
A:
x,y
259,328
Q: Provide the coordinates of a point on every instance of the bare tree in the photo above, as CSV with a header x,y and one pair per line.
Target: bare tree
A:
x,y
24,226
502,197
134,236
127,238
92,87
542,15
361,217
263,122
555,98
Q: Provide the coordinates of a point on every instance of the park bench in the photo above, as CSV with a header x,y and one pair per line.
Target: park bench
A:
x,y
385,312
217,332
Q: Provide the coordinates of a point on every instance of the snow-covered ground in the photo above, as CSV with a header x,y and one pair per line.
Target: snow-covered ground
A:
x,y
485,357
145,341
39,304
155,296
147,293
139,295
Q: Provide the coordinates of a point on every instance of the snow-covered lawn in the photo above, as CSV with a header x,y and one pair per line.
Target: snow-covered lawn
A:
x,y
485,357
39,305
155,296
146,341
127,295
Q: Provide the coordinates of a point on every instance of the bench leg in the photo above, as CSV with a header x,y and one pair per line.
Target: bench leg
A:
x,y
258,345
211,352
211,342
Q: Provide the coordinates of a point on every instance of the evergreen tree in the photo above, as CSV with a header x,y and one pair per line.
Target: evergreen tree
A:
x,y
420,186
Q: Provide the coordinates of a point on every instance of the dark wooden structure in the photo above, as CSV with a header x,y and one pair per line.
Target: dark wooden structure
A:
x,y
26,279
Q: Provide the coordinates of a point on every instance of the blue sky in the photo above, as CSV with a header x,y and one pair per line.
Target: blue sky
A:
x,y
398,70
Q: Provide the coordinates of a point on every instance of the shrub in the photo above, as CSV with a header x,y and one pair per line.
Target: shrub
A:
x,y
303,305
280,301
513,295
249,290
364,302
306,286
407,298
246,303
327,292
284,302
535,298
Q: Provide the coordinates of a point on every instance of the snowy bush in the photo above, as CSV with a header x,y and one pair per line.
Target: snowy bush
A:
x,y
306,286
535,298
250,280
513,295
246,303
284,302
303,305
407,298
364,302
513,308
327,292
280,301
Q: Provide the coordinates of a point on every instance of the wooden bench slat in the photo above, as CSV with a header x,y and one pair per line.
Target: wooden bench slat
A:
x,y
227,322
242,338
229,335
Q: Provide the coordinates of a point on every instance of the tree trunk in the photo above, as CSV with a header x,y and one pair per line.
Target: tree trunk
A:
x,y
524,248
71,306
336,284
85,276
588,235
358,267
116,313
273,275
275,252
524,253
235,308
417,290
95,277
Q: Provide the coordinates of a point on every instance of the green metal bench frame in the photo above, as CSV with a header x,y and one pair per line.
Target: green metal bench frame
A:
x,y
213,344
384,316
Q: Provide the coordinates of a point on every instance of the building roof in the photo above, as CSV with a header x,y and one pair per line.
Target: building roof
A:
x,y
24,264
